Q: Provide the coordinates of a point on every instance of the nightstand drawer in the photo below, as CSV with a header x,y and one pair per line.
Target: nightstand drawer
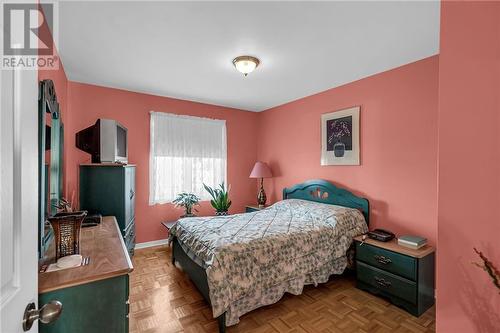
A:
x,y
387,282
393,262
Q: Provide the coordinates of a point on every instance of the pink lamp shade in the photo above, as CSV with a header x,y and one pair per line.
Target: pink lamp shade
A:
x,y
261,170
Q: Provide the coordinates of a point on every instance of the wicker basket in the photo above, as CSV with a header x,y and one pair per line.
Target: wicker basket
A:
x,y
66,228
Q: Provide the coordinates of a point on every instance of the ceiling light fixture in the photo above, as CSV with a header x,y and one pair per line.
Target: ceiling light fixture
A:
x,y
246,64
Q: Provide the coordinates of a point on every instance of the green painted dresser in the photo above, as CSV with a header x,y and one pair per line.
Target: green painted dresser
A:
x,y
109,189
94,297
402,275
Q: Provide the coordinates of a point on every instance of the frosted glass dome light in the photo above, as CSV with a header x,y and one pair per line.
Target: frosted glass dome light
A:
x,y
245,64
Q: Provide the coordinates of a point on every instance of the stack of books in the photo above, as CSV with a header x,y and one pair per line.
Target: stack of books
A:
x,y
412,242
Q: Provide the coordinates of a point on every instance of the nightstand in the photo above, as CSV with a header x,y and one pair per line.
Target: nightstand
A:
x,y
404,276
249,209
168,225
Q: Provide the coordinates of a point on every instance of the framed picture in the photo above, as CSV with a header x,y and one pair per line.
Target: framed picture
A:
x,y
340,137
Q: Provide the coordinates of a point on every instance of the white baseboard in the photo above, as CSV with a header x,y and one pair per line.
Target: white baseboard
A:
x,y
151,244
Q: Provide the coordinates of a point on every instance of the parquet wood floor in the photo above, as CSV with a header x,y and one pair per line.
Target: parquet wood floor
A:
x,y
163,299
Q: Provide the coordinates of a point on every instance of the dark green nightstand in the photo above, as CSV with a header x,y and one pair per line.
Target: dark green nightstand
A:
x,y
168,225
249,209
403,275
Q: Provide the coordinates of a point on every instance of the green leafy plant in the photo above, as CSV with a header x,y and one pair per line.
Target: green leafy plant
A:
x,y
220,198
187,201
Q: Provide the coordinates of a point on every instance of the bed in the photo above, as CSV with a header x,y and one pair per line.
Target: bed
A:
x,y
245,261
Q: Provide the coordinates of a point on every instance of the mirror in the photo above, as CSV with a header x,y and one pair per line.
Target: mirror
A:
x,y
50,160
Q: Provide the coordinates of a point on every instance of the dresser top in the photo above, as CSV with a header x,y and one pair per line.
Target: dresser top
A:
x,y
393,246
108,258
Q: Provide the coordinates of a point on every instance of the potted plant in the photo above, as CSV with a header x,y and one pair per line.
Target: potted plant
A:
x,y
220,198
187,201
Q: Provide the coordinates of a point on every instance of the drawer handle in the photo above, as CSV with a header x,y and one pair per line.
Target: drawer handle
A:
x,y
132,193
383,260
382,282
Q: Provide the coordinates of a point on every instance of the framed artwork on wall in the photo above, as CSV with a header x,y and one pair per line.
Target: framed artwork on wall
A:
x,y
340,137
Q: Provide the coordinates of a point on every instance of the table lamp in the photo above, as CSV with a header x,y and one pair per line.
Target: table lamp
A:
x,y
261,170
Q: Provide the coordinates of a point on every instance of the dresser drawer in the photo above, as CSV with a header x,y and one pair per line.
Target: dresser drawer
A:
x,y
393,262
387,282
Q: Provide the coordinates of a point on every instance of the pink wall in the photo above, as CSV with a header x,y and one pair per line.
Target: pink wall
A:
x,y
469,166
88,102
398,171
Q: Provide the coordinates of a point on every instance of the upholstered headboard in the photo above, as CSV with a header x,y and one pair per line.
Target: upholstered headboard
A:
x,y
320,190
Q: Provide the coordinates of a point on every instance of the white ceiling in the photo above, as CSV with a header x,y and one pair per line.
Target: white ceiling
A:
x,y
184,49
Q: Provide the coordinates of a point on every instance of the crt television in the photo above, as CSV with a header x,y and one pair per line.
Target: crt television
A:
x,y
106,141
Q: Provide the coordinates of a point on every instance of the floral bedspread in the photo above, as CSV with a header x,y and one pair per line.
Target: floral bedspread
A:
x,y
252,259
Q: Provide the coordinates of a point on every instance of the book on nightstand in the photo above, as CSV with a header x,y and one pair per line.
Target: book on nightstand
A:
x,y
412,242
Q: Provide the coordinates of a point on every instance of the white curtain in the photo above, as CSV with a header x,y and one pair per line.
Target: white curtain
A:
x,y
185,152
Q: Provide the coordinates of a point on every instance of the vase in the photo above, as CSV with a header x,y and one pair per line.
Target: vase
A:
x,y
339,149
67,228
222,213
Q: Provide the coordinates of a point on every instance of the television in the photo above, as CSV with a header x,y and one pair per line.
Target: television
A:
x,y
106,141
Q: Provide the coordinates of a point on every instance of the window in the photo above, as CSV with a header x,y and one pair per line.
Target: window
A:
x,y
185,152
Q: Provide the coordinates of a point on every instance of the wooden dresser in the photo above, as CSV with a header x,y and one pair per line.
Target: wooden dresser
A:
x,y
95,296
109,189
403,275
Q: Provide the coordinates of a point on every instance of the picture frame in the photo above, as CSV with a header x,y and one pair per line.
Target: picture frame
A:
x,y
340,137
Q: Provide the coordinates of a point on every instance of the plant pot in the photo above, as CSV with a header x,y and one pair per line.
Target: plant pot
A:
x,y
339,149
223,213
187,215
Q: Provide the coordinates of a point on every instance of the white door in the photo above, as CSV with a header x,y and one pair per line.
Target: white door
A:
x,y
18,196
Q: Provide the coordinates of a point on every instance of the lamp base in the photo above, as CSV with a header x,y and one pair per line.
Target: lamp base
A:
x,y
261,197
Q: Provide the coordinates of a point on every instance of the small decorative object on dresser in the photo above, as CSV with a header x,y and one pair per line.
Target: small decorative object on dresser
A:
x,y
261,170
405,276
67,228
340,137
253,208
220,198
91,220
64,206
187,201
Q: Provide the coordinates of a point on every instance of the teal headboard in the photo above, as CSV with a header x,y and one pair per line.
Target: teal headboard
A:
x,y
320,190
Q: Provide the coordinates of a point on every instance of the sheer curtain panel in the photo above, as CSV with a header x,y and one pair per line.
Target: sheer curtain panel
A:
x,y
185,152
